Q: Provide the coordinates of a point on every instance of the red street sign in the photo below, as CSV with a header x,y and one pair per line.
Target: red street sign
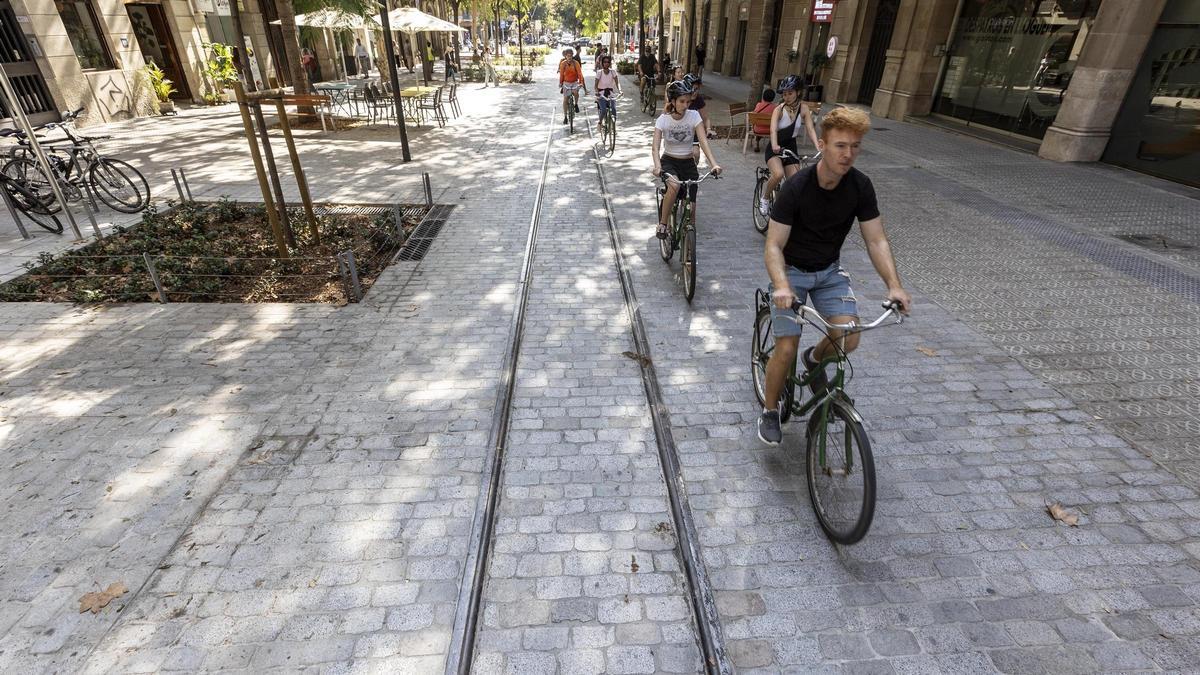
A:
x,y
822,11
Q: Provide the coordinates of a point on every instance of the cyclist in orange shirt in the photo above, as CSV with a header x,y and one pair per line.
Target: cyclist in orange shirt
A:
x,y
570,80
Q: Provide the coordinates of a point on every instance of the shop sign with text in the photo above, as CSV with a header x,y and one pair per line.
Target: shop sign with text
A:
x,y
822,11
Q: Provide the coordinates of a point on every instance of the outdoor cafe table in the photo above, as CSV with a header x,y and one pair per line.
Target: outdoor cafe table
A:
x,y
411,97
339,93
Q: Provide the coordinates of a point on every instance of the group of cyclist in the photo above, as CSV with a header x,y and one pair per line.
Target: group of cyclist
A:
x,y
811,213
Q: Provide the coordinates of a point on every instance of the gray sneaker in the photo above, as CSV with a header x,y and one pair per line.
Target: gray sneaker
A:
x,y
821,382
768,427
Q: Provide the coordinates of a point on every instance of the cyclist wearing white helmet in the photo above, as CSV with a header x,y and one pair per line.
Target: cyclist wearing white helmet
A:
x,y
788,121
673,134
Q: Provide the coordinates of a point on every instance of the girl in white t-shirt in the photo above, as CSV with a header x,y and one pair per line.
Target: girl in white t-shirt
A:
x,y
672,149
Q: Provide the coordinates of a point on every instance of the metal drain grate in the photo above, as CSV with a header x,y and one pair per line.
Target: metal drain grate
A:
x,y
422,237
1156,242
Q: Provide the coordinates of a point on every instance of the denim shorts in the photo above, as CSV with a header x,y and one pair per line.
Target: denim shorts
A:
x,y
827,291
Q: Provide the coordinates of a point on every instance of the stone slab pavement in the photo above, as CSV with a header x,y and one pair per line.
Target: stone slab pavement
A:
x,y
291,487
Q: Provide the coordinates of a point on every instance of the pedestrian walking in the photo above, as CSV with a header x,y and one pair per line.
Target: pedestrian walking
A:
x,y
489,70
448,62
701,54
361,58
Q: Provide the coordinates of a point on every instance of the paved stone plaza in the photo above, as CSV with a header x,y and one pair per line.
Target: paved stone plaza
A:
x,y
294,486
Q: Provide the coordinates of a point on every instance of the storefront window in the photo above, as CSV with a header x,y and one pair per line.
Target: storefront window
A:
x,y
79,18
1158,128
1011,62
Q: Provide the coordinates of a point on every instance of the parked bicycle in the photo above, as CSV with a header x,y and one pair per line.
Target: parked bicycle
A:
x,y
762,175
35,205
838,460
682,232
608,124
80,168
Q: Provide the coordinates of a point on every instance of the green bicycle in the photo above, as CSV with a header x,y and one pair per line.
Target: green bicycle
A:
x,y
682,234
838,461
608,124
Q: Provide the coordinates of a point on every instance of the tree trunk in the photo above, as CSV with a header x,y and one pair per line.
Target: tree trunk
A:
x,y
457,49
662,42
291,44
760,53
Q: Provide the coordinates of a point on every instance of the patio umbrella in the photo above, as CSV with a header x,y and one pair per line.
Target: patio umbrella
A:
x,y
335,19
412,20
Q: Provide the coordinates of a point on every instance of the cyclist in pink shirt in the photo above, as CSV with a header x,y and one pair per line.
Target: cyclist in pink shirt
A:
x,y
607,85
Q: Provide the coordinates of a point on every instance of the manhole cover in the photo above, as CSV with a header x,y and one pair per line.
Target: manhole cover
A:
x,y
1157,242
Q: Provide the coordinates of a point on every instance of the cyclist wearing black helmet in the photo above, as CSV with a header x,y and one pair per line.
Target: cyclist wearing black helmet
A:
x,y
787,123
673,134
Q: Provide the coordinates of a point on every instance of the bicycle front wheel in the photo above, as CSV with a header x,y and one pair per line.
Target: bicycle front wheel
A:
x,y
120,186
664,245
33,207
841,472
760,353
760,219
612,134
687,257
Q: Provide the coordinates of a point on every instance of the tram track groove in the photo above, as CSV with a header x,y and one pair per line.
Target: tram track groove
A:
x,y
466,617
701,598
687,540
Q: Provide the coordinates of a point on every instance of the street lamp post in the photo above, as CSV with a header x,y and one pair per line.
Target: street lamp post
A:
x,y
389,47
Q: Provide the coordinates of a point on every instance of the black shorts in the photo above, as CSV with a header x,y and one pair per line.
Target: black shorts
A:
x,y
683,168
789,145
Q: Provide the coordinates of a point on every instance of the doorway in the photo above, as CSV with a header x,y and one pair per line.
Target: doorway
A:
x,y
740,55
881,37
154,38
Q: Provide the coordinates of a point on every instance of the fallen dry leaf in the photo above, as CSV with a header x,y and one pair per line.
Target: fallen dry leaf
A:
x,y
97,600
1059,512
927,351
643,360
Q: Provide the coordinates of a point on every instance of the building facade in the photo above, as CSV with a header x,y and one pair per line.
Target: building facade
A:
x,y
67,54
1079,80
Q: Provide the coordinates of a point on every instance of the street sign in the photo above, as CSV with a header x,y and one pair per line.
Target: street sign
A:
x,y
831,48
822,11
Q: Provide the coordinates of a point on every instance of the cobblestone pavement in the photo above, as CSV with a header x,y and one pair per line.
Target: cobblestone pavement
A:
x,y
584,574
963,570
293,486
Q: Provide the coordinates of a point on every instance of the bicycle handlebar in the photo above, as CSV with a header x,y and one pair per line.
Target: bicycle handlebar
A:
x,y
799,158
812,315
664,177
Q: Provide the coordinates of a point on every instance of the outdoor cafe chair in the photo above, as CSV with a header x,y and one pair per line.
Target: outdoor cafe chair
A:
x,y
434,105
453,100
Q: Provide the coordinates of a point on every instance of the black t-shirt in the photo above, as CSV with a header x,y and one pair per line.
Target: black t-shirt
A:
x,y
820,219
647,64
697,103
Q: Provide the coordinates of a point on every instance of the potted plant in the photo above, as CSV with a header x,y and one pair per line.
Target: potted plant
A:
x,y
162,88
220,73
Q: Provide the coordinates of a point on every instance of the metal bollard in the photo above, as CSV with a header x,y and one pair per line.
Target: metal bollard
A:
x,y
353,270
162,296
186,188
178,185
428,189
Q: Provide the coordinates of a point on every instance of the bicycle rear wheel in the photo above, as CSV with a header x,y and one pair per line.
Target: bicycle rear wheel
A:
x,y
760,220
26,173
760,352
841,472
687,258
612,133
119,185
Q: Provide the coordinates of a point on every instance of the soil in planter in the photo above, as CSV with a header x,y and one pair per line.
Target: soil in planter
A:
x,y
216,252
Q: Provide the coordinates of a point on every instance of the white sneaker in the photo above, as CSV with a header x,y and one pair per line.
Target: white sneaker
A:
x,y
764,206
